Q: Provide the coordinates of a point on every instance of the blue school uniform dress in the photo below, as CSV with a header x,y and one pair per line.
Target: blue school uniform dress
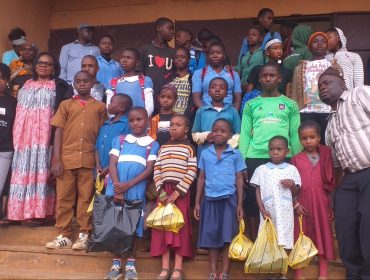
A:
x,y
218,221
206,116
133,154
201,84
107,133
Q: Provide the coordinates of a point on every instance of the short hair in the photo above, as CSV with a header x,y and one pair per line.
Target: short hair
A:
x,y
310,124
91,57
55,62
218,78
186,30
264,11
83,72
106,35
184,49
214,39
271,64
16,33
139,109
162,21
219,44
332,29
289,23
5,71
259,29
135,51
224,121
204,34
186,120
281,138
126,98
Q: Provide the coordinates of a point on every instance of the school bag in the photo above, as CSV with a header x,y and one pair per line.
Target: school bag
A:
x,y
141,77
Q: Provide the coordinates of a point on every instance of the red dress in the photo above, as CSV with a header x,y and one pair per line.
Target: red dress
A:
x,y
314,197
181,242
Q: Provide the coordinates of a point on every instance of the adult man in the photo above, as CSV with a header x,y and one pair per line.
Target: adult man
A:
x,y
348,134
72,53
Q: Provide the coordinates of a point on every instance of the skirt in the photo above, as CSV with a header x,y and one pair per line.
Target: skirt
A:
x,y
181,242
218,222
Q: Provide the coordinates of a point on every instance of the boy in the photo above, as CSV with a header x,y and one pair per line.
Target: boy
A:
x,y
206,115
77,123
183,38
157,57
137,86
118,125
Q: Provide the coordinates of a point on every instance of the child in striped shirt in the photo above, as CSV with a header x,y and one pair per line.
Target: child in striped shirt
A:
x,y
174,171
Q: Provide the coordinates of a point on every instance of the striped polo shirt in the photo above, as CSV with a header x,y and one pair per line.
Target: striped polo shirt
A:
x,y
348,131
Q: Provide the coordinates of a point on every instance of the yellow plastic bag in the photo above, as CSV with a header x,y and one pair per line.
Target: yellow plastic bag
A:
x,y
266,255
99,185
240,245
166,217
303,251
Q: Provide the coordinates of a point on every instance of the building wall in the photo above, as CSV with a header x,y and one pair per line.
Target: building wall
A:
x,y
68,13
33,16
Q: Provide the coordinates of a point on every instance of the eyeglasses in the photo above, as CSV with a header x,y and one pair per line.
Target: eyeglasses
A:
x,y
44,63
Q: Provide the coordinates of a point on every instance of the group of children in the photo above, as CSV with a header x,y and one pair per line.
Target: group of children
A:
x,y
190,107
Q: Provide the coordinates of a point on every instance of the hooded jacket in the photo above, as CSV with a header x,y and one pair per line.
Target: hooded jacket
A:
x,y
300,36
351,63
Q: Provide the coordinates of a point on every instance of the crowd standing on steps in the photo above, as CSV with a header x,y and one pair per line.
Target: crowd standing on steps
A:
x,y
284,134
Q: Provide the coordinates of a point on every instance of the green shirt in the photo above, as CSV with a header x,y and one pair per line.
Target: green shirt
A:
x,y
265,117
248,62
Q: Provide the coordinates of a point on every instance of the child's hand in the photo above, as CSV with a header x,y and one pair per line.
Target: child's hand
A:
x,y
245,177
301,210
103,172
171,198
56,167
287,183
239,212
331,214
265,214
120,187
197,211
210,138
118,198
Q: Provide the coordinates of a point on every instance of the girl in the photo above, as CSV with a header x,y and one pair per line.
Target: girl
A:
x,y
218,202
131,163
276,182
216,68
315,166
8,105
174,171
160,124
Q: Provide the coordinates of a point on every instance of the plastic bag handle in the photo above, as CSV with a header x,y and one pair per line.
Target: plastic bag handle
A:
x,y
300,223
241,226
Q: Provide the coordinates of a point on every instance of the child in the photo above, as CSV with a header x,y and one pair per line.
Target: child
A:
x,y
157,57
130,165
216,68
182,82
8,104
137,86
218,202
118,125
315,165
174,171
276,182
160,124
108,67
77,123
206,115
253,57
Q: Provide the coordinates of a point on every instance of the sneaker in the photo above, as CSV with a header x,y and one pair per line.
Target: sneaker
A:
x,y
61,242
82,242
130,273
114,273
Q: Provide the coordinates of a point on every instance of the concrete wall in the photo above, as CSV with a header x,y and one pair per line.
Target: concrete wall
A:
x,y
33,16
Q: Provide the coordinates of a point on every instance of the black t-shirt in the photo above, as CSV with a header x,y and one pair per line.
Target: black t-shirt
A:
x,y
286,77
8,105
157,63
163,132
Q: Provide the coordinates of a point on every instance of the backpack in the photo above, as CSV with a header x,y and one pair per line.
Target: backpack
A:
x,y
114,83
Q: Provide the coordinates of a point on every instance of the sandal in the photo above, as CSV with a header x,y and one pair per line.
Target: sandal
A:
x,y
224,276
165,277
212,276
179,277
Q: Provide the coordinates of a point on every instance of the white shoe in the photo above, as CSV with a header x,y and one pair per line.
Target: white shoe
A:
x,y
61,242
82,242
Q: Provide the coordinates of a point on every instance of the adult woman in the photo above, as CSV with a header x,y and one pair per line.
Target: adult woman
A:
x,y
30,196
21,68
265,116
305,82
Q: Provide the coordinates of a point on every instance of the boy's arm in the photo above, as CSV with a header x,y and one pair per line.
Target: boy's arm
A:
x,y
237,91
246,130
239,192
56,162
294,122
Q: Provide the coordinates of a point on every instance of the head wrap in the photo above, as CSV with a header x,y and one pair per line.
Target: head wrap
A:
x,y
315,35
19,41
170,87
271,42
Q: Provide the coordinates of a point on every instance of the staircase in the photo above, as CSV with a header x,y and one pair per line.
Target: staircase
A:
x,y
23,256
